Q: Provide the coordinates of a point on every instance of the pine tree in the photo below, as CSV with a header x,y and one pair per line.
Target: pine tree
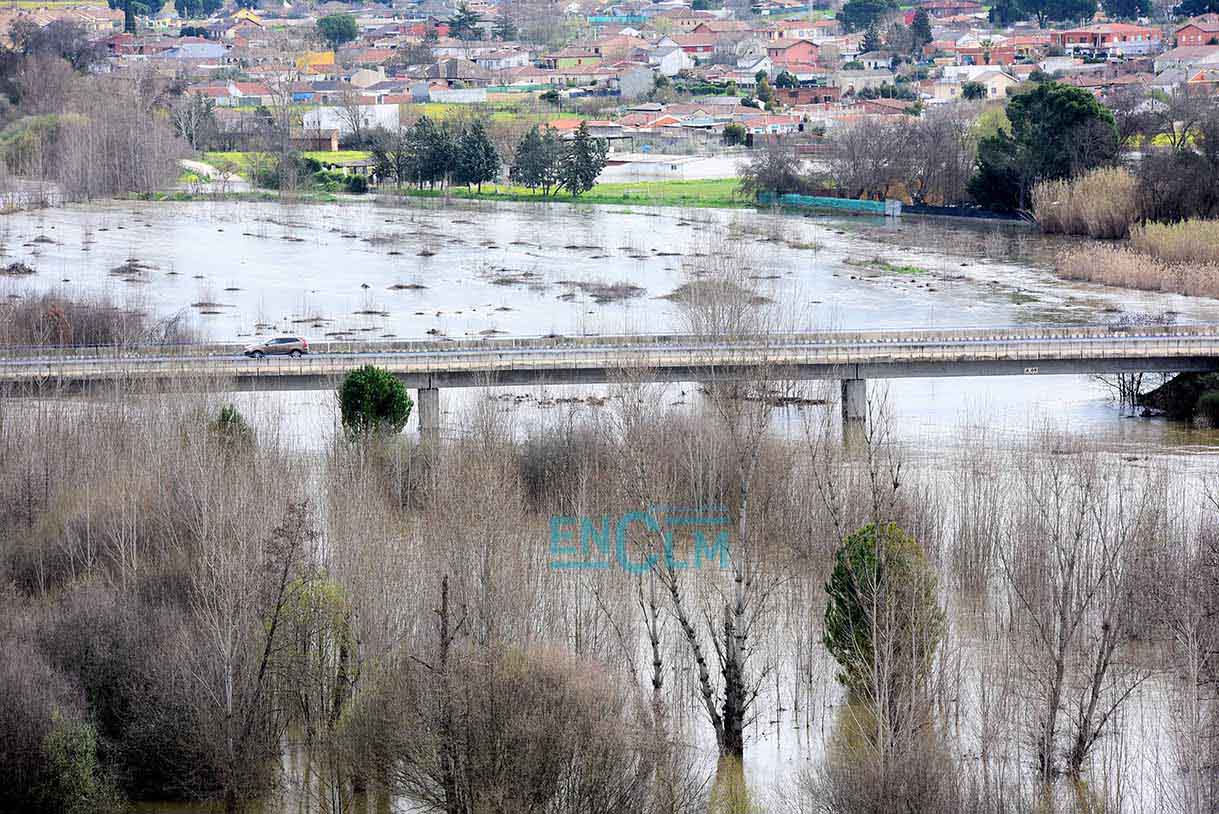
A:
x,y
536,163
871,40
505,29
582,162
477,159
432,150
464,24
920,30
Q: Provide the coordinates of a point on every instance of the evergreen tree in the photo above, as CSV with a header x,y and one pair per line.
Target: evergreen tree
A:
x,y
424,152
857,15
1126,9
432,152
536,163
920,31
1057,131
197,9
132,8
1046,11
477,159
1194,8
336,29
464,25
871,39
973,91
582,162
506,28
763,91
1006,12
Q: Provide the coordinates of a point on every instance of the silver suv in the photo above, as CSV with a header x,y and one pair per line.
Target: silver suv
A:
x,y
279,346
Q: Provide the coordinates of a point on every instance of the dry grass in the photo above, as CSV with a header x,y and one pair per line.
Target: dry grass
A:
x,y
1101,204
1126,267
1189,241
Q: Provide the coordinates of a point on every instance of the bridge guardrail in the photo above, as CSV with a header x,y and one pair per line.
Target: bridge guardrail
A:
x,y
653,357
504,344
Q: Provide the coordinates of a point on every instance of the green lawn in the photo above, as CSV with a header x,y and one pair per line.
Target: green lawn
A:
x,y
241,159
719,192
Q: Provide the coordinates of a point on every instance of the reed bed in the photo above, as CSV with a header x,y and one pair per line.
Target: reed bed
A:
x,y
1101,204
1128,267
1188,241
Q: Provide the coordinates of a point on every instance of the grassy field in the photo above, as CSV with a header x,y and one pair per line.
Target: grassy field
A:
x,y
719,192
242,159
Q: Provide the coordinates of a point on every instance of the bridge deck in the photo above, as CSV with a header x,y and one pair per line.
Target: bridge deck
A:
x,y
668,357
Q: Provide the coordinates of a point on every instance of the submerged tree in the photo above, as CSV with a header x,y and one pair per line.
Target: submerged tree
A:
x,y
373,399
883,624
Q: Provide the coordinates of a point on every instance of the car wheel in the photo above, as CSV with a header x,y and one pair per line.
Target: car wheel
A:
x,y
258,354
296,354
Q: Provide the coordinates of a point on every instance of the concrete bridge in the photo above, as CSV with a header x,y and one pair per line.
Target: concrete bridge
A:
x,y
852,357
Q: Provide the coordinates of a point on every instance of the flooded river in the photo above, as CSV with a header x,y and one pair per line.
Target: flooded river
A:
x,y
421,270
241,270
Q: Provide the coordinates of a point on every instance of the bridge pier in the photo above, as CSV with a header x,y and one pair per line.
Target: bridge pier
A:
x,y
429,414
854,400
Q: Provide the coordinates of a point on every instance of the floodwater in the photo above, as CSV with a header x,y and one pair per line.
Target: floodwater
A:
x,y
467,269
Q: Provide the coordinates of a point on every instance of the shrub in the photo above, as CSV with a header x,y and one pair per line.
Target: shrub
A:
x,y
734,134
372,398
1190,241
357,184
55,319
48,754
536,731
1208,407
1101,204
881,600
231,429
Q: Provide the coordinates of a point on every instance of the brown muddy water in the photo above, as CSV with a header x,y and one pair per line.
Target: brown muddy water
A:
x,y
242,270
464,270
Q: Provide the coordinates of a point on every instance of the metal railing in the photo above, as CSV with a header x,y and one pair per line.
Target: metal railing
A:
x,y
878,336
655,352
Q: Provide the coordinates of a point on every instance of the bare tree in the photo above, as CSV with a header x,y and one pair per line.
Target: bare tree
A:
x,y
1068,564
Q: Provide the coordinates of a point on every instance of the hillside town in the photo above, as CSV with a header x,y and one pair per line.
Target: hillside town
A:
x,y
663,77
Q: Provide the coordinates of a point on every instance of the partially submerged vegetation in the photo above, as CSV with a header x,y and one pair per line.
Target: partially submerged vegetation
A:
x,y
61,319
1178,258
1188,241
1101,204
132,530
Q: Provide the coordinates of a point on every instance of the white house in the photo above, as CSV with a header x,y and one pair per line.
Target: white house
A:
x,y
338,118
670,60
